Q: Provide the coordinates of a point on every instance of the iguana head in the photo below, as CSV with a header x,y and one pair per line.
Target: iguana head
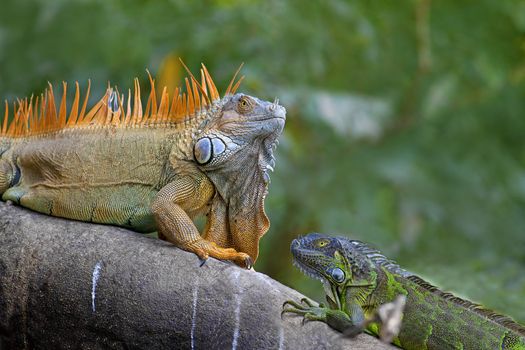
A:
x,y
336,261
234,147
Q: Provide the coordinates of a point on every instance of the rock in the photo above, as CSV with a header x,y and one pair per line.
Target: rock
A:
x,y
74,285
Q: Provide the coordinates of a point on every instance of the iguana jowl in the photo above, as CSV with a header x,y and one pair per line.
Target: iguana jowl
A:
x,y
358,279
149,170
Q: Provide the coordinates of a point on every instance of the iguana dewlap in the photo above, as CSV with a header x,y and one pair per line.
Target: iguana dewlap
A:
x,y
152,169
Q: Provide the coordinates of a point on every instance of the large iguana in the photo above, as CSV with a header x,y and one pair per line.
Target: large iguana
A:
x,y
358,279
152,169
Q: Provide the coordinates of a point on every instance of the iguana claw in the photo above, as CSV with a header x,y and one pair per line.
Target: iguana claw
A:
x,y
204,249
335,318
248,263
306,308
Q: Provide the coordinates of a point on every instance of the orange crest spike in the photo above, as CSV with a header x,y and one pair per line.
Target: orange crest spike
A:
x,y
74,108
91,114
196,95
100,111
152,96
84,105
12,126
62,109
51,107
164,105
211,85
30,114
191,101
204,88
25,116
41,120
137,104
184,106
236,86
128,109
173,108
229,89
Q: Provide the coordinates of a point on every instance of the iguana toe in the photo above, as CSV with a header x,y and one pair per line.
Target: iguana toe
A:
x,y
205,249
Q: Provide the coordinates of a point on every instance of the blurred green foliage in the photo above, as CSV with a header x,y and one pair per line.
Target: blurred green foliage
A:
x,y
406,119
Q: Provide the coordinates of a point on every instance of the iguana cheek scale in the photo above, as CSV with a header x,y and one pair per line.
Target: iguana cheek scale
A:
x,y
148,169
358,280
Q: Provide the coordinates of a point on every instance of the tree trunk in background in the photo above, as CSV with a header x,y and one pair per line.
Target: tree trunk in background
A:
x,y
67,284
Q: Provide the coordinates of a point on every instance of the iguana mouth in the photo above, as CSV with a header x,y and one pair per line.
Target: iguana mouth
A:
x,y
279,111
308,271
301,257
271,118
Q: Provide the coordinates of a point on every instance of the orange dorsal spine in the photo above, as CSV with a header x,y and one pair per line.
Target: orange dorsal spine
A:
x,y
40,116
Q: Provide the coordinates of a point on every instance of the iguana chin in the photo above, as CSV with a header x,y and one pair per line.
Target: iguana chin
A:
x,y
192,154
358,279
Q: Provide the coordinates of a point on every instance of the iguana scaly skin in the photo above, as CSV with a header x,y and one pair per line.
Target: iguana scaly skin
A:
x,y
149,170
358,279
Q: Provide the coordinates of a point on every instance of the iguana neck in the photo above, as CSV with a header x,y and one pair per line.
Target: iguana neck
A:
x,y
243,185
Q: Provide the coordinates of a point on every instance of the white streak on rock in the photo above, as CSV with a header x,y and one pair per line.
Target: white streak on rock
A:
x,y
96,276
281,338
238,299
194,314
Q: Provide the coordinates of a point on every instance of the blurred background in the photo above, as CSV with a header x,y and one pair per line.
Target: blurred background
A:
x,y
406,119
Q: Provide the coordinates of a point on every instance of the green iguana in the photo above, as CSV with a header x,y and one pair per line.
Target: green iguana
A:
x,y
358,279
157,169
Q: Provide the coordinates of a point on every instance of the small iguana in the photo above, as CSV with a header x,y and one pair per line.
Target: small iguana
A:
x,y
193,154
358,279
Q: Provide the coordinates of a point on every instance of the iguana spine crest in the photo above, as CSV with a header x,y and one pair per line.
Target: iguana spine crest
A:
x,y
38,116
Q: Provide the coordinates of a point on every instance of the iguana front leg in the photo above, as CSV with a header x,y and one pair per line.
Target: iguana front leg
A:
x,y
173,207
335,318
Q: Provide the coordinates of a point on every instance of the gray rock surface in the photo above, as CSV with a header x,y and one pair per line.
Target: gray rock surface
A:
x,y
74,285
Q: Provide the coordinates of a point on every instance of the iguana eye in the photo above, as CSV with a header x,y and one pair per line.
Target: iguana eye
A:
x,y
322,243
245,104
338,275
